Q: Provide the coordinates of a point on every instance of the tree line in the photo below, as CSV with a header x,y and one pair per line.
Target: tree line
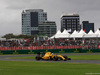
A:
x,y
11,35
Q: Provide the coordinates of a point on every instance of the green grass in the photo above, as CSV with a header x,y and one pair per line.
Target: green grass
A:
x,y
73,57
46,68
85,57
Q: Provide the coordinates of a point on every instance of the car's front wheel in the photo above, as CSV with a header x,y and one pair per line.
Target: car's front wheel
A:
x,y
66,58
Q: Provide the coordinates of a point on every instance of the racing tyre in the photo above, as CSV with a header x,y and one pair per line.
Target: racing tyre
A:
x,y
37,58
66,58
50,58
55,58
69,58
60,58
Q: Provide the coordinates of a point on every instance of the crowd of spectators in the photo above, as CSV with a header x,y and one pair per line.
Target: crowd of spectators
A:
x,y
54,42
17,43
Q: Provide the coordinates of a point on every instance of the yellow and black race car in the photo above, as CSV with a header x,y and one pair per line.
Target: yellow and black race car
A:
x,y
50,56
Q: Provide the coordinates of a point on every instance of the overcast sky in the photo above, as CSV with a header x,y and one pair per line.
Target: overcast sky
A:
x,y
10,12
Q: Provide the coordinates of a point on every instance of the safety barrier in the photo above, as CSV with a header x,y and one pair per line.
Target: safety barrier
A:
x,y
40,47
54,49
50,50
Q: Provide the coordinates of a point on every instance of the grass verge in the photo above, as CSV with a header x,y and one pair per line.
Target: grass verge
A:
x,y
85,57
46,68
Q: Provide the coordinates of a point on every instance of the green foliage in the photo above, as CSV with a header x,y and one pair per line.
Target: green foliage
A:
x,y
9,36
24,36
38,35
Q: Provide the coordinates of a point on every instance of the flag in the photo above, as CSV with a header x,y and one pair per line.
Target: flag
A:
x,y
84,30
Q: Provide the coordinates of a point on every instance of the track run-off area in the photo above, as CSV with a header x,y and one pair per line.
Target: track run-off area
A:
x,y
9,58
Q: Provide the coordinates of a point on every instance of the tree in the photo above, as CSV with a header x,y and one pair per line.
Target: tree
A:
x,y
9,36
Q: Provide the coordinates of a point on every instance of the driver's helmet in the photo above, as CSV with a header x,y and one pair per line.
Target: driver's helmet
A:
x,y
51,53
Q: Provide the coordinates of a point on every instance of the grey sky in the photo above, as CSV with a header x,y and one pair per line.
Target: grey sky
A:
x,y
10,12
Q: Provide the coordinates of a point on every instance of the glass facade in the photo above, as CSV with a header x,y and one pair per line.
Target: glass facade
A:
x,y
70,22
30,20
47,28
88,26
26,23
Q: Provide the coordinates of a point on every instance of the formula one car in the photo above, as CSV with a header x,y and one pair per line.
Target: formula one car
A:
x,y
50,56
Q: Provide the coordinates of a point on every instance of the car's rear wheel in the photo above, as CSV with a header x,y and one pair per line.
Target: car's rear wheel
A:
x,y
37,58
55,58
60,58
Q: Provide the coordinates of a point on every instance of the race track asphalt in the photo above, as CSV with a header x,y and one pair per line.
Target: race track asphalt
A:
x,y
7,58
